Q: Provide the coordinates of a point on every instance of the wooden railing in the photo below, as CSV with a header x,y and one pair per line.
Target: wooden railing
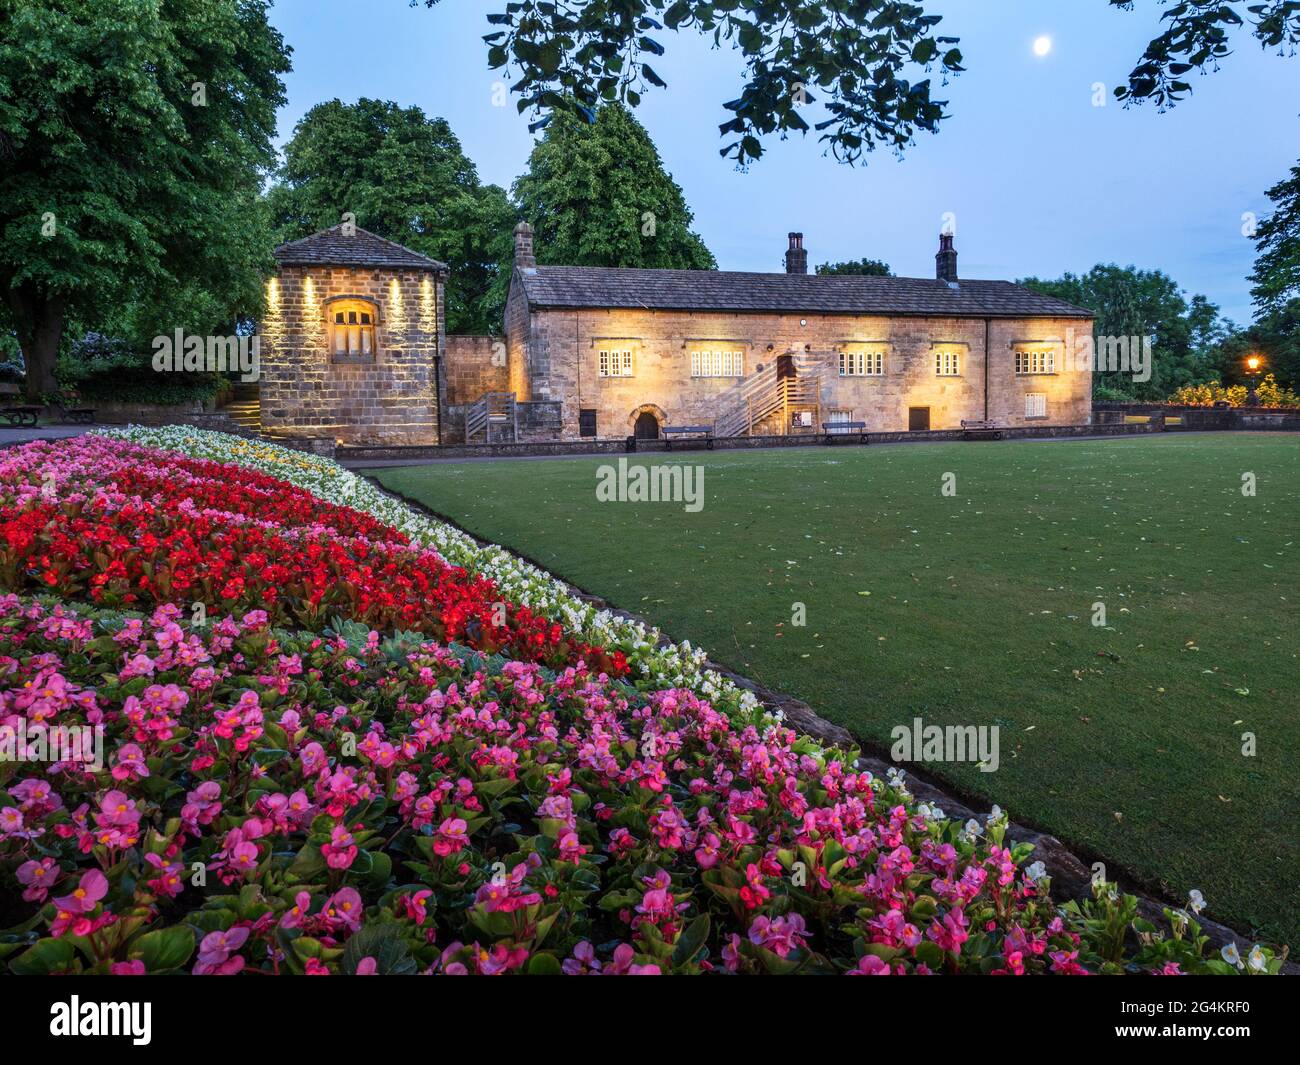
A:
x,y
765,393
495,416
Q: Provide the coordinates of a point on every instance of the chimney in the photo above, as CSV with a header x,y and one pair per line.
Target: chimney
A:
x,y
796,256
524,257
945,260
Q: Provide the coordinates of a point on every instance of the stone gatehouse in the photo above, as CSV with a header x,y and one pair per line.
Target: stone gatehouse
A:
x,y
352,340
354,347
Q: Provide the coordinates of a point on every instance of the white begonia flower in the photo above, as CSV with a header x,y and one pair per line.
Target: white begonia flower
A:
x,y
1036,872
1256,959
1231,955
1195,900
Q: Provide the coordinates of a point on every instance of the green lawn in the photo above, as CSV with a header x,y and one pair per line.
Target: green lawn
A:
x,y
1126,741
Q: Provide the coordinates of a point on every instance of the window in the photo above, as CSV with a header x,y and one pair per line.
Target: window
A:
x,y
838,418
616,364
1035,361
862,363
717,364
946,363
1035,404
586,423
352,329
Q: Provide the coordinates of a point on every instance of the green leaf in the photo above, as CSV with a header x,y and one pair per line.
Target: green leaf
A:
x,y
46,956
165,948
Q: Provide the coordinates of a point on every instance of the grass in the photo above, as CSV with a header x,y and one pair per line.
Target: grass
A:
x,y
1124,740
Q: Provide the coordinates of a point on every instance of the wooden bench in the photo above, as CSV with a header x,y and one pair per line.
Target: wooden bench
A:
x,y
21,416
75,415
834,429
703,432
980,430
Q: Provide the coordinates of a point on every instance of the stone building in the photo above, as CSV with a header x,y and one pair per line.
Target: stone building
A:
x,y
619,352
354,348
352,340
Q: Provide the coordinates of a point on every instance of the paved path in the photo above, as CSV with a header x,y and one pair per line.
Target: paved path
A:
x,y
9,437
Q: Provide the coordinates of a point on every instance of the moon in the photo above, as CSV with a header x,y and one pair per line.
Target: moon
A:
x,y
1042,45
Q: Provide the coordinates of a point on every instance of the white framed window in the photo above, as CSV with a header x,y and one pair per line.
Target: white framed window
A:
x,y
616,364
1035,361
717,364
947,363
1035,404
862,363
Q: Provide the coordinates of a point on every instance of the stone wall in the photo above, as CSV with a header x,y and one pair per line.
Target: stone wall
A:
x,y
558,358
474,365
392,397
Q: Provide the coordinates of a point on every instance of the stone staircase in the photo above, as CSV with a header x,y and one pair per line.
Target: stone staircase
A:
x,y
764,399
244,406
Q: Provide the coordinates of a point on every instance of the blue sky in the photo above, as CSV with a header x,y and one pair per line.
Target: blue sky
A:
x,y
1040,180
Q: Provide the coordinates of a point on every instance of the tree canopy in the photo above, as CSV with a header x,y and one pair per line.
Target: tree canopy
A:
x,y
598,195
868,63
858,267
1277,268
1132,302
404,176
135,138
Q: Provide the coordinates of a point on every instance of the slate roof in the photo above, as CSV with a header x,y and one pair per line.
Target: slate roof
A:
x,y
332,247
739,291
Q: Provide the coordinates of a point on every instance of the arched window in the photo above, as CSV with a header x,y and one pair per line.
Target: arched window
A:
x,y
352,328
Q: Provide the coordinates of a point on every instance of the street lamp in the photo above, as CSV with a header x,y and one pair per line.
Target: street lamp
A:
x,y
1253,365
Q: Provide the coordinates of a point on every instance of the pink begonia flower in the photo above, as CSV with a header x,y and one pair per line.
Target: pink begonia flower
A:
x,y
216,950
451,837
85,897
781,935
870,965
11,820
367,966
130,763
315,967
622,964
345,908
415,906
38,877
134,967
583,961
341,851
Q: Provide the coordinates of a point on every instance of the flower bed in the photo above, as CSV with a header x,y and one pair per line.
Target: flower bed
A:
x,y
653,666
360,798
351,802
122,525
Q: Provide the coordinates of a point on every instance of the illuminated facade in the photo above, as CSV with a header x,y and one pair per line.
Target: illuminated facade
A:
x,y
352,340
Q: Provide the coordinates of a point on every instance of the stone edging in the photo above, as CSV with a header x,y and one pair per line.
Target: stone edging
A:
x,y
1071,876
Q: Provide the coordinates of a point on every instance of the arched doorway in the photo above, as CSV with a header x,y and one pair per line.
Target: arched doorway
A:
x,y
646,426
785,367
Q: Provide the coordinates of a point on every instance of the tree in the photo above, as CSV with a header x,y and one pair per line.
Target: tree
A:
x,y
862,56
858,267
1275,335
1277,268
598,195
135,138
405,177
1130,302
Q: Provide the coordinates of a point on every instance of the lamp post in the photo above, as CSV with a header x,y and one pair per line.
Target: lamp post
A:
x,y
1253,365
